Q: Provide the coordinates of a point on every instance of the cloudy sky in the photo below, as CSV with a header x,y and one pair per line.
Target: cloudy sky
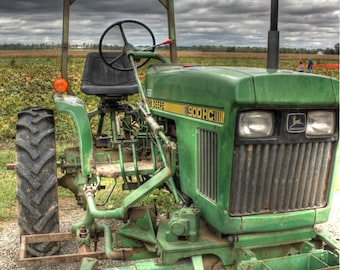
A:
x,y
302,24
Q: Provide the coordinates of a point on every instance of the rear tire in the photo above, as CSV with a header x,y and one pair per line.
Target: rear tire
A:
x,y
37,183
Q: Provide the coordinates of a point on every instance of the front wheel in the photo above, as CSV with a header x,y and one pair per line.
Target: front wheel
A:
x,y
37,182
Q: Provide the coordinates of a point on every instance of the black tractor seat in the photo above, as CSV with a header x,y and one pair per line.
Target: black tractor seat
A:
x,y
101,80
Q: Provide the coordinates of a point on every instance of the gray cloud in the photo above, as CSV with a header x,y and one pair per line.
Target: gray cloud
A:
x,y
304,23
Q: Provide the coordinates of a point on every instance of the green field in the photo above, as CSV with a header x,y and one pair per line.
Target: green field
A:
x,y
27,78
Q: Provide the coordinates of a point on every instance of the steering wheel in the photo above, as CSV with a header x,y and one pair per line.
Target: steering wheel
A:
x,y
117,36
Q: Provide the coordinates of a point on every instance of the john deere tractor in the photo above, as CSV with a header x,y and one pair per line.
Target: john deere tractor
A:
x,y
248,155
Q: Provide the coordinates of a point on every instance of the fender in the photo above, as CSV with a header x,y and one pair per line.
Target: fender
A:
x,y
74,106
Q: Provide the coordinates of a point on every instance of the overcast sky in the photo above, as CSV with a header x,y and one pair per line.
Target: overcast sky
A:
x,y
302,24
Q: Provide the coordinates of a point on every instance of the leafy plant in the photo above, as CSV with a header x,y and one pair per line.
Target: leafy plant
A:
x,y
27,81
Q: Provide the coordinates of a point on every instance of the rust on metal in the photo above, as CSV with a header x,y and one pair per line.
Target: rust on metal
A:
x,y
55,259
10,166
113,169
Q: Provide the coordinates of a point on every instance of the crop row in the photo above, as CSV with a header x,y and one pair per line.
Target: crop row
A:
x,y
27,81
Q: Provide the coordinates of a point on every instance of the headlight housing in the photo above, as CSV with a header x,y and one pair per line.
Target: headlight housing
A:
x,y
256,124
320,123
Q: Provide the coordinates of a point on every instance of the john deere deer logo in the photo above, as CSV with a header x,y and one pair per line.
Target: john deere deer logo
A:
x,y
296,122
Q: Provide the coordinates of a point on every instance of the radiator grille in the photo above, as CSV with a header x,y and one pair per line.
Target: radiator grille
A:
x,y
280,177
207,163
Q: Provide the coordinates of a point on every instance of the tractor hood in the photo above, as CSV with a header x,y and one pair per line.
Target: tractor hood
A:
x,y
224,86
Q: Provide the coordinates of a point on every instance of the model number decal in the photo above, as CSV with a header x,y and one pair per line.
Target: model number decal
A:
x,y
201,113
197,112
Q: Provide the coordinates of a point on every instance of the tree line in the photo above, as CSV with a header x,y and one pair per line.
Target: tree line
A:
x,y
202,48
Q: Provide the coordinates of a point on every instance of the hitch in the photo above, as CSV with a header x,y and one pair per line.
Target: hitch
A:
x,y
24,261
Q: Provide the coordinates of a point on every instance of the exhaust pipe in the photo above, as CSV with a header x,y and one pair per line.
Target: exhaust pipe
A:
x,y
273,37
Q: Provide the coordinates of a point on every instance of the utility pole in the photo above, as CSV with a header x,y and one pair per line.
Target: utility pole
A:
x,y
273,37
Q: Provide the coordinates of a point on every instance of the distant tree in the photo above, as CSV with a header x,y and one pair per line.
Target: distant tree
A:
x,y
329,51
231,49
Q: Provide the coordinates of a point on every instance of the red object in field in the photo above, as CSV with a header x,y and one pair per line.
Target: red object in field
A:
x,y
323,66
326,66
167,41
60,85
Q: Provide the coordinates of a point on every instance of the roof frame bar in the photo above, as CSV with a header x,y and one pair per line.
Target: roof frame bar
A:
x,y
168,4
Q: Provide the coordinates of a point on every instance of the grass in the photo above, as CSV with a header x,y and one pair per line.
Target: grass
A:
x,y
160,197
7,182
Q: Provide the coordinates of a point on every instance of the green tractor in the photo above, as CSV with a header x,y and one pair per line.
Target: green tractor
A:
x,y
248,155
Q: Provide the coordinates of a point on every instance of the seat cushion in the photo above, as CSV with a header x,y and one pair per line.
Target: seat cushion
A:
x,y
101,80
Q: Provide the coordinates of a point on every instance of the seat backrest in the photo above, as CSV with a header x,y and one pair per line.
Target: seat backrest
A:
x,y
101,80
